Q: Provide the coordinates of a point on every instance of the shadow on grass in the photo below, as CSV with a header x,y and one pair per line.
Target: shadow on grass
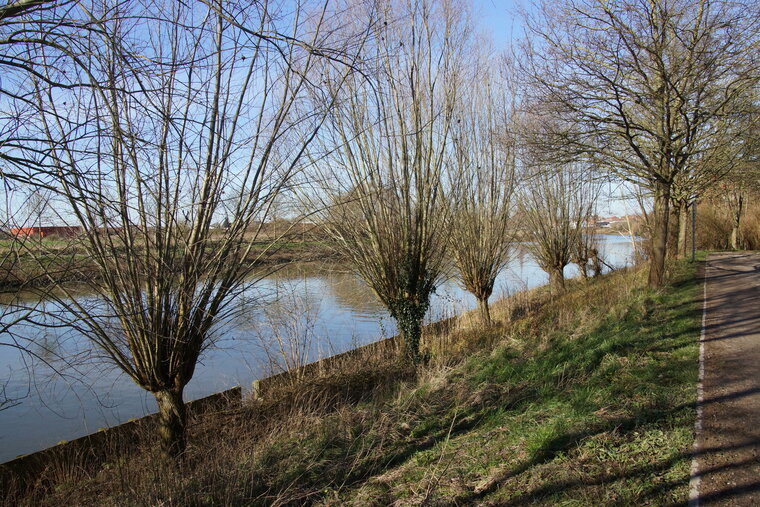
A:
x,y
592,352
568,441
660,413
606,367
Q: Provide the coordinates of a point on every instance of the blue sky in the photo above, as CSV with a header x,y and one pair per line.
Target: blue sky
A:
x,y
500,18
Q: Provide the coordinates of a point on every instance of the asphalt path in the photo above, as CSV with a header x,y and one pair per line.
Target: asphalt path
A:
x,y
726,469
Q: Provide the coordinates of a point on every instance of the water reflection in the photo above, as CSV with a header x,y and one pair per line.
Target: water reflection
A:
x,y
325,308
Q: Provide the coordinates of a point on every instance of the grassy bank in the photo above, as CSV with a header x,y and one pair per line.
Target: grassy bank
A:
x,y
583,399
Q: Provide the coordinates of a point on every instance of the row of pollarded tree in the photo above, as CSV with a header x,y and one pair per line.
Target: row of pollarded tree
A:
x,y
660,94
405,138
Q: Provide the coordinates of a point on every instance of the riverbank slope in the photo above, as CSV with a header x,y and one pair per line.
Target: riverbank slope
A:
x,y
586,397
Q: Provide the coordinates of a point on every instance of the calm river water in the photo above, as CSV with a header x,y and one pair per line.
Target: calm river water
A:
x,y
329,310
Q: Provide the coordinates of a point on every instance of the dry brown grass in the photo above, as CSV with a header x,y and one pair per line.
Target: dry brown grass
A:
x,y
313,439
714,223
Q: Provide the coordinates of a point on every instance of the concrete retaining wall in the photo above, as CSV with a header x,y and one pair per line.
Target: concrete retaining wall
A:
x,y
388,348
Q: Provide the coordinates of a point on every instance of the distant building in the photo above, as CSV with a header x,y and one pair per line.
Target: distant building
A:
x,y
610,222
42,232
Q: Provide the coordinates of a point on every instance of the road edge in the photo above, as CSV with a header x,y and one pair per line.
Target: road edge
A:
x,y
695,479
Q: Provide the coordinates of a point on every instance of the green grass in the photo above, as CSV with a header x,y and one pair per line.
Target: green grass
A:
x,y
587,401
607,414
601,412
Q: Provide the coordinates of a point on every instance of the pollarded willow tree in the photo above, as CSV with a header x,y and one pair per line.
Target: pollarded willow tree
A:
x,y
483,181
556,204
383,197
188,110
585,252
646,87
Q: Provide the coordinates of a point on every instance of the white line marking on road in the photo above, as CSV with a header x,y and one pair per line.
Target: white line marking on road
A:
x,y
696,479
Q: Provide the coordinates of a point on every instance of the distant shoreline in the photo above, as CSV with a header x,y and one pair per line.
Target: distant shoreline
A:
x,y
70,266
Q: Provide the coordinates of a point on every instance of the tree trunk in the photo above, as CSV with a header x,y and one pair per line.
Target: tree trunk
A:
x,y
735,237
737,223
557,280
659,235
172,419
582,267
674,227
596,263
408,312
411,334
485,312
683,219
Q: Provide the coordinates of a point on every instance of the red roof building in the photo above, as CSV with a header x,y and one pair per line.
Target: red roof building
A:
x,y
41,232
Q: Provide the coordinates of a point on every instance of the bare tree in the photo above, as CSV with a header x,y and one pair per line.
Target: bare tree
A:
x,y
383,191
45,23
483,180
728,159
179,105
684,192
19,7
555,205
646,87
48,23
17,311
741,182
585,251
744,179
